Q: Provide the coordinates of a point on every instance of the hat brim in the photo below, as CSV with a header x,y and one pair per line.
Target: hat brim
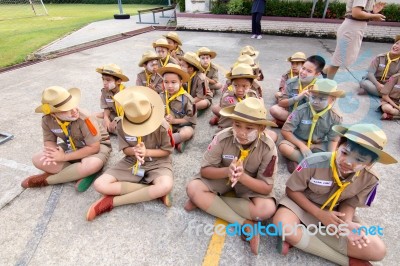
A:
x,y
210,53
147,59
230,76
169,47
120,76
383,157
193,63
228,112
71,104
155,119
174,39
397,38
184,76
290,59
337,93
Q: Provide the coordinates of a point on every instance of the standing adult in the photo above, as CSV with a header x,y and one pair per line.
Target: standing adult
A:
x,y
257,11
351,32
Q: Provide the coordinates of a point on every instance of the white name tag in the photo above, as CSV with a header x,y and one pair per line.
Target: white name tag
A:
x,y
144,82
57,131
109,100
321,182
382,65
306,122
228,156
131,138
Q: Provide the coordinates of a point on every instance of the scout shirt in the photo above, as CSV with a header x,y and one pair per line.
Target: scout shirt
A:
x,y
199,87
314,178
178,52
367,5
392,88
212,72
261,162
107,101
299,123
291,90
171,60
284,78
378,65
79,132
158,139
155,79
182,107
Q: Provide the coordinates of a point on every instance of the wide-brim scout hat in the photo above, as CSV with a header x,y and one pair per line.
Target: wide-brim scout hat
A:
x,y
241,71
148,56
206,51
297,57
250,110
162,43
249,50
57,99
246,59
397,38
143,110
327,87
192,59
174,68
112,70
368,136
173,36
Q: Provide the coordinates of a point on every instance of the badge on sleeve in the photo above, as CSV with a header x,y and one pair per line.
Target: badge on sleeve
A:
x,y
371,196
291,115
302,166
213,143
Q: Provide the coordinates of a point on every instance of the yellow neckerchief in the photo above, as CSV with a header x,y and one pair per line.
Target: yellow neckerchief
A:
x,y
190,82
230,88
64,128
301,89
173,97
148,78
291,73
118,108
389,61
335,196
165,62
136,165
315,118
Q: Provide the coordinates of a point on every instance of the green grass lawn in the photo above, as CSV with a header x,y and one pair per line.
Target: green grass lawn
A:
x,y
25,33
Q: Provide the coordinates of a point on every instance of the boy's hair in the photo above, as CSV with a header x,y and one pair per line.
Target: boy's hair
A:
x,y
358,148
248,79
318,61
194,67
114,77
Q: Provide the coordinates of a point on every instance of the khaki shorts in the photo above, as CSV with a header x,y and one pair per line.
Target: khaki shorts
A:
x,y
103,154
320,147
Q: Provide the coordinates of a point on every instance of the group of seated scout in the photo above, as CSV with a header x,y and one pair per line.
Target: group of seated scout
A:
x,y
242,157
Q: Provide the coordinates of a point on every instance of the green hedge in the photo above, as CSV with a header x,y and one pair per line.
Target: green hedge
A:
x,y
147,2
302,9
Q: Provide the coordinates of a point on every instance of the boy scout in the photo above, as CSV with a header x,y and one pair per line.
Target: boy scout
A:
x,y
112,77
211,71
179,105
197,86
149,77
391,98
145,173
175,42
380,70
296,62
249,50
326,189
162,48
309,128
295,92
243,159
85,148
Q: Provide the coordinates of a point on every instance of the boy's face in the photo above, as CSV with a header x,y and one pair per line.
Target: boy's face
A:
x,y
320,101
205,60
348,161
296,66
241,87
173,43
71,115
162,52
395,50
152,66
172,83
110,82
308,72
186,67
245,133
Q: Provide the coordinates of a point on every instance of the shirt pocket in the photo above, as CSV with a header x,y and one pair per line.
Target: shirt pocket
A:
x,y
320,186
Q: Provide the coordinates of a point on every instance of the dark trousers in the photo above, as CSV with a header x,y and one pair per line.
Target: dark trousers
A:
x,y
256,23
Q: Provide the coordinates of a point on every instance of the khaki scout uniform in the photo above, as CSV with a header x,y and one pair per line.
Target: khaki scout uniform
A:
x,y
178,52
182,107
155,79
392,88
292,90
299,123
80,135
261,163
199,87
107,102
212,73
154,167
314,178
171,60
285,77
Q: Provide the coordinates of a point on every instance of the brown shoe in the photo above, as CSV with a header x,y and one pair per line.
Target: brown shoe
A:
x,y
36,181
386,116
105,204
358,262
255,239
279,123
291,166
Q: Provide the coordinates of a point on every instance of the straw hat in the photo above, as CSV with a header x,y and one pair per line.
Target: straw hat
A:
x,y
297,57
397,38
206,51
370,137
147,56
250,110
193,59
327,87
246,59
174,68
173,36
57,99
143,110
241,71
162,43
249,50
112,70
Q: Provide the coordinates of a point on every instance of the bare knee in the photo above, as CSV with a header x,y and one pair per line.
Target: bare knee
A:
x,y
379,250
264,211
101,184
